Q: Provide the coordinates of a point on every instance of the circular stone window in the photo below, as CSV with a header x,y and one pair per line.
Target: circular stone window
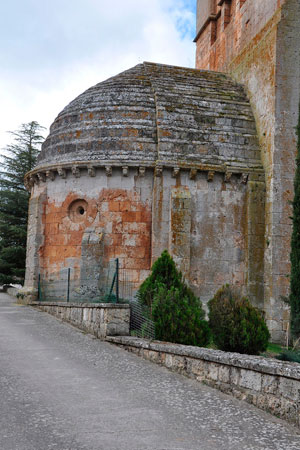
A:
x,y
78,210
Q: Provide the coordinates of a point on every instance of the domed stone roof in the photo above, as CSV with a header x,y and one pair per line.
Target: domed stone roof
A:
x,y
156,114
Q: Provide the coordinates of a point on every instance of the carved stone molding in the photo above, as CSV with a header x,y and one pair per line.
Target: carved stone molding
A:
x,y
142,171
210,175
125,171
158,171
42,176
91,171
62,172
33,179
175,172
29,183
227,176
244,178
193,174
76,171
50,175
108,171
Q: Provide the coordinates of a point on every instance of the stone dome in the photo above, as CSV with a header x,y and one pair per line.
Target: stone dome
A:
x,y
156,114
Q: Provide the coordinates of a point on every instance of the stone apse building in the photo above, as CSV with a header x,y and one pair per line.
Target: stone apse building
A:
x,y
196,161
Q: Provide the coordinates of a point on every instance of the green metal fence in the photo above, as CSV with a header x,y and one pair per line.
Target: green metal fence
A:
x,y
93,284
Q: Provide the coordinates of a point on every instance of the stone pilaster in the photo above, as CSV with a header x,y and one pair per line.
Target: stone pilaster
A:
x,y
180,228
35,239
255,241
157,216
92,278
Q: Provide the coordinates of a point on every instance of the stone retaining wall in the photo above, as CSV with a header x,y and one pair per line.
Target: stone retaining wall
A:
x,y
269,384
100,319
12,291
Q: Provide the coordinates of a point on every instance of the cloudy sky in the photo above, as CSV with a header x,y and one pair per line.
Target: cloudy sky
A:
x,y
52,50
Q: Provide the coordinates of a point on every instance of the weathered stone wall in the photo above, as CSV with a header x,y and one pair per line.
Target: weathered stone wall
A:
x,y
222,36
35,239
260,48
225,232
180,228
218,240
269,384
114,222
206,222
101,319
287,85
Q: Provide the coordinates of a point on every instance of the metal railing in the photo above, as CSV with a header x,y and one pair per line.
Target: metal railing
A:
x,y
88,284
94,284
141,323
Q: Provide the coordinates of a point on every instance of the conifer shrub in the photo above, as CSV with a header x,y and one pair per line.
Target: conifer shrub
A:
x,y
179,317
235,324
163,272
289,355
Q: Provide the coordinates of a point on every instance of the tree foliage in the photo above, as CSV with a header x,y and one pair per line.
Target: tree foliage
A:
x,y
179,317
295,249
18,159
235,324
176,311
164,272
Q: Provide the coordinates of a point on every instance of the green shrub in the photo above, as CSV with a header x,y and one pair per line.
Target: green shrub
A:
x,y
289,355
164,272
235,324
179,317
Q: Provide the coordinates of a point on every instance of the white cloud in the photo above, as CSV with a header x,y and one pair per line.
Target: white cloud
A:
x,y
53,50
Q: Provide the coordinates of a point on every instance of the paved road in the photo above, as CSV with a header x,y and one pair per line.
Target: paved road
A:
x,y
63,389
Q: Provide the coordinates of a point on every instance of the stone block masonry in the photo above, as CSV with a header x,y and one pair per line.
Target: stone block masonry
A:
x,y
259,48
180,228
100,319
271,385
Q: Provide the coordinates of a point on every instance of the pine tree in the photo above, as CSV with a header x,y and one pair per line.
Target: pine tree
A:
x,y
176,311
235,324
164,272
179,317
19,158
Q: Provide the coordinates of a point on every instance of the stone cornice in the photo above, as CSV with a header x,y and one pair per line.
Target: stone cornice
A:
x,y
52,171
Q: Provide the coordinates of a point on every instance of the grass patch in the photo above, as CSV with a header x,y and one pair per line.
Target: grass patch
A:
x,y
274,348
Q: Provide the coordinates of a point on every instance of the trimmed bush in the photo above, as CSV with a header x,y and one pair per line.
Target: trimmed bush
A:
x,y
235,324
289,355
179,317
163,272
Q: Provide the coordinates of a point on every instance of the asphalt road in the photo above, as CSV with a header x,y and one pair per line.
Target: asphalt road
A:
x,y
63,389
